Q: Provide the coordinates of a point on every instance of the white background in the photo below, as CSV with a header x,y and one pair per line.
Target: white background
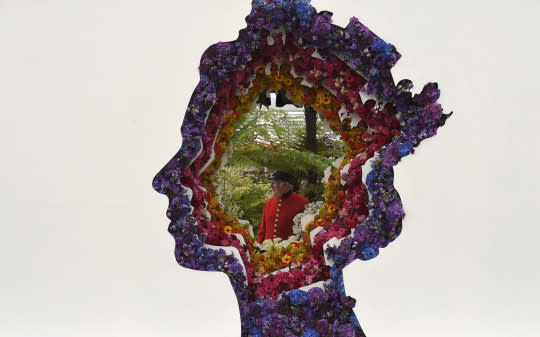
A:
x,y
92,95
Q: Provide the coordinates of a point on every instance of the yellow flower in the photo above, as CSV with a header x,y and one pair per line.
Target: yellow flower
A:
x,y
286,259
227,229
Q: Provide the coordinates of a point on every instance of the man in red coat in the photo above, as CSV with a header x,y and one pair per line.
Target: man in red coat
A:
x,y
281,208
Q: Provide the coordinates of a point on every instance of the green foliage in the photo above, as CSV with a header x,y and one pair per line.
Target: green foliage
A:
x,y
299,163
242,194
272,140
313,192
271,128
266,141
329,144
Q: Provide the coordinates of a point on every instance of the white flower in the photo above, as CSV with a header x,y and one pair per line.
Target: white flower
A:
x,y
302,219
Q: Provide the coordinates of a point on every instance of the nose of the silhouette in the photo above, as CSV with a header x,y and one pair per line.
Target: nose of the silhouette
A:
x,y
158,183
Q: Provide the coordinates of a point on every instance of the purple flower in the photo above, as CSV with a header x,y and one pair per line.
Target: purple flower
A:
x,y
403,101
430,93
297,297
338,279
354,320
304,10
363,234
310,332
368,253
382,48
394,212
348,302
347,330
322,24
404,149
390,158
322,325
255,332
432,113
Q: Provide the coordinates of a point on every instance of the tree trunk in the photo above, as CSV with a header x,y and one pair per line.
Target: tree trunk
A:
x,y
311,129
311,145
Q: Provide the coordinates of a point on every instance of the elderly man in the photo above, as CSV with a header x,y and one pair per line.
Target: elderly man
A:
x,y
281,208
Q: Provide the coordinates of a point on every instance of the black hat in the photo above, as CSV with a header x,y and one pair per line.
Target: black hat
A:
x,y
283,176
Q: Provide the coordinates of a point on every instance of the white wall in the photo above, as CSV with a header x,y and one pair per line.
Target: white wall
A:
x,y
91,99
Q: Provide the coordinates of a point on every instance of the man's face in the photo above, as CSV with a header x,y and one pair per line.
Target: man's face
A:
x,y
279,187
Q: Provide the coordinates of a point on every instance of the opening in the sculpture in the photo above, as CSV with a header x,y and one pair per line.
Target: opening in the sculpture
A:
x,y
250,145
280,136
244,127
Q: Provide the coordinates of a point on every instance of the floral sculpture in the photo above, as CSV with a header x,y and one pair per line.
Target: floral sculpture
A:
x,y
295,287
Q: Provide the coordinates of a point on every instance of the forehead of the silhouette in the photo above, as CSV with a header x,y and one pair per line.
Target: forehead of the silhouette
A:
x,y
342,75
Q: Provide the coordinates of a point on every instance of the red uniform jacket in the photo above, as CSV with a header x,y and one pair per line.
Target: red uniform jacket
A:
x,y
278,214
